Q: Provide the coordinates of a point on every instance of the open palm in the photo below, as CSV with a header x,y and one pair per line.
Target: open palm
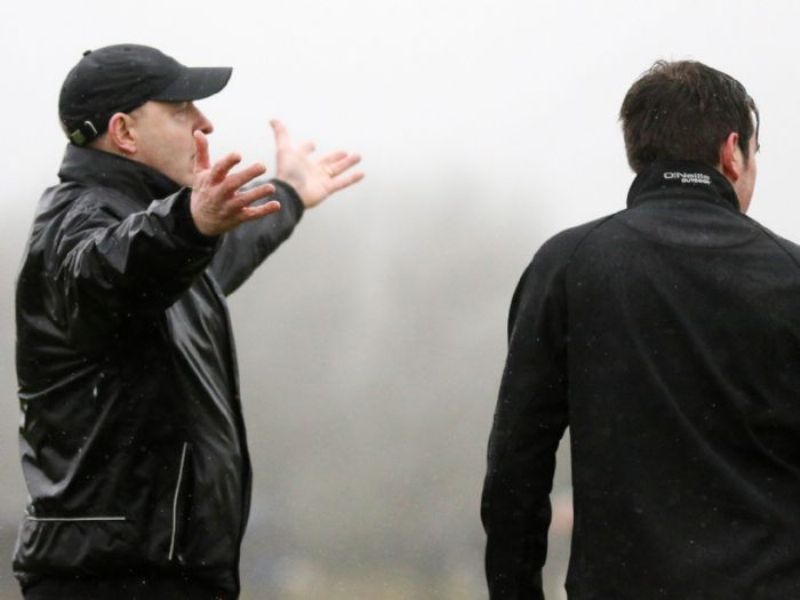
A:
x,y
313,179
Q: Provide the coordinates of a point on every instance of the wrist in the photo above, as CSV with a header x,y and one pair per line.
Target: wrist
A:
x,y
287,194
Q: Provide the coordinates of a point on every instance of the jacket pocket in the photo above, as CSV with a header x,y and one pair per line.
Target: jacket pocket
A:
x,y
93,519
86,545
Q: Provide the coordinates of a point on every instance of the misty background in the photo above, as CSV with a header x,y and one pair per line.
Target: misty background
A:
x,y
371,344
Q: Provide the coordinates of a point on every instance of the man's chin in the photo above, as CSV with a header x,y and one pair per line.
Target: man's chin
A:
x,y
185,180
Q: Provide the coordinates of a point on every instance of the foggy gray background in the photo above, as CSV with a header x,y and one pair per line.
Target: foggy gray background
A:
x,y
372,343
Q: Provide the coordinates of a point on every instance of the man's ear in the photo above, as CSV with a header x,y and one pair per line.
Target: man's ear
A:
x,y
120,133
731,161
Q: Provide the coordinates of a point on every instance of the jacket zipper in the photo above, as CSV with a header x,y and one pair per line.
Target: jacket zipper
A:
x,y
175,501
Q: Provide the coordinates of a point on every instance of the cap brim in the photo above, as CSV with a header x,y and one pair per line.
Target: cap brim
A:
x,y
195,83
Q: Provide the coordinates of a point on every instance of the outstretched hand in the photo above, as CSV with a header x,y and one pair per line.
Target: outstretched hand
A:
x,y
217,204
313,179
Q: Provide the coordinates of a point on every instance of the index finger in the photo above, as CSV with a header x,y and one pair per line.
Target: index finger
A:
x,y
220,169
234,181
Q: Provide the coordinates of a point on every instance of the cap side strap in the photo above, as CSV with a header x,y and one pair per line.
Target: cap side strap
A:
x,y
84,134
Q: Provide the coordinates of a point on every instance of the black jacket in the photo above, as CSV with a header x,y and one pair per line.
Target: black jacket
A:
x,y
132,440
667,337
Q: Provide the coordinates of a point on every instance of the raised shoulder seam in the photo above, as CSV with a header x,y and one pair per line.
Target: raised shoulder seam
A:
x,y
594,227
94,197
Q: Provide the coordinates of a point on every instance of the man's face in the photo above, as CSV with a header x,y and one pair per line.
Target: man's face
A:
x,y
747,178
165,137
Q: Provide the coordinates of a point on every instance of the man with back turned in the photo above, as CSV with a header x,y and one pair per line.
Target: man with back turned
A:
x,y
667,338
132,437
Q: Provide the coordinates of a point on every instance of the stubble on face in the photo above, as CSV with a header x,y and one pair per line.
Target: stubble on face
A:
x,y
165,137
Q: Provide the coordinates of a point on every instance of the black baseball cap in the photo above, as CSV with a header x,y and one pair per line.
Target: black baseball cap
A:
x,y
121,78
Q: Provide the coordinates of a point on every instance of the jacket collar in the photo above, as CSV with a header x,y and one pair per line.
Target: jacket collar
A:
x,y
682,179
88,166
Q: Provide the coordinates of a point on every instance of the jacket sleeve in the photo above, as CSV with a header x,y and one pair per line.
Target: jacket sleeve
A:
x,y
530,418
108,268
243,249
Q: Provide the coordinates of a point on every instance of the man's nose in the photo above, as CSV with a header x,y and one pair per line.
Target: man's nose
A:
x,y
203,124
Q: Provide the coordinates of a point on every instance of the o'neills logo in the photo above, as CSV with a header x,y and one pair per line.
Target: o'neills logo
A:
x,y
688,177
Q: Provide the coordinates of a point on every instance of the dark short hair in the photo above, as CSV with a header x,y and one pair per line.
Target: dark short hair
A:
x,y
684,110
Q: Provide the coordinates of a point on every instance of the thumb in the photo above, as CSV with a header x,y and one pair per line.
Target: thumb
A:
x,y
280,133
201,160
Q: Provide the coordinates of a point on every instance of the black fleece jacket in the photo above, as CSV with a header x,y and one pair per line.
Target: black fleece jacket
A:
x,y
667,338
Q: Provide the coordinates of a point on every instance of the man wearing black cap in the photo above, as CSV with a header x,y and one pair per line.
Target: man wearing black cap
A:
x,y
132,439
667,337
